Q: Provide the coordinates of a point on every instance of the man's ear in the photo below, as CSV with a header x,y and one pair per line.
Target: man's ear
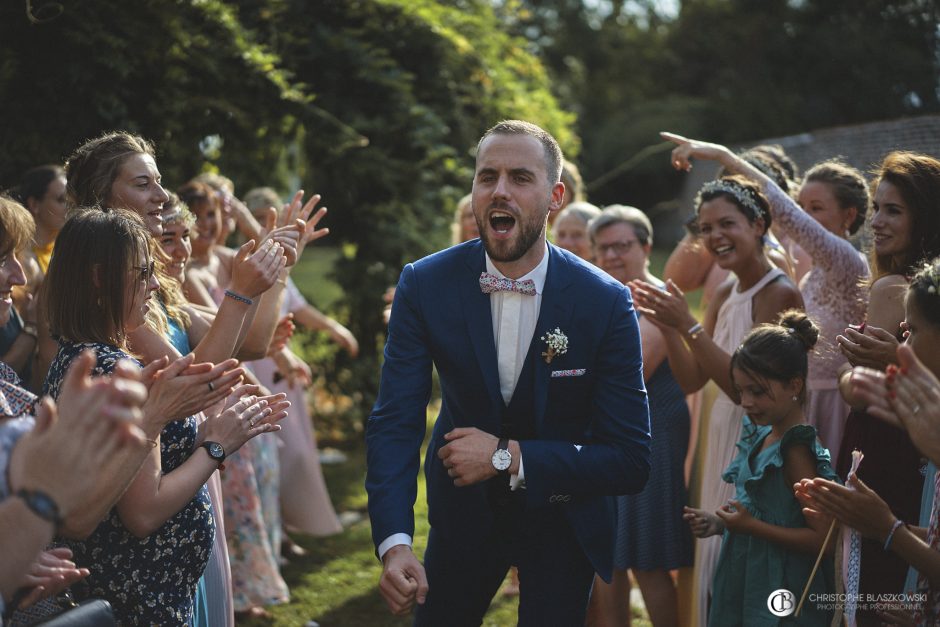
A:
x,y
557,197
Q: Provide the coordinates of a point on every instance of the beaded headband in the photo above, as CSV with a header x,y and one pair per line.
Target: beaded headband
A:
x,y
741,195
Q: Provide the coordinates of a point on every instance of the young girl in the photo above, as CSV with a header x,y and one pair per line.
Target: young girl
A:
x,y
909,398
767,544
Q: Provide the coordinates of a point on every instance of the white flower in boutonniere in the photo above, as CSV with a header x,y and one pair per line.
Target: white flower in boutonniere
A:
x,y
557,344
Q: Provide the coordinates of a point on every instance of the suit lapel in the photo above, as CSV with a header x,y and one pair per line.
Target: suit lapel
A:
x,y
479,319
556,309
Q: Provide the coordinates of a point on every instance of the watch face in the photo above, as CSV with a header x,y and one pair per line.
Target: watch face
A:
x,y
502,459
216,449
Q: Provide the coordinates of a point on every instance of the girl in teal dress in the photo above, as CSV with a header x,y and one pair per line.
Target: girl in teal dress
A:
x,y
768,545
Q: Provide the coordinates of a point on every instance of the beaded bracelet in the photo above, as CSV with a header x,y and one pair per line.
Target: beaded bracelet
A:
x,y
239,297
894,527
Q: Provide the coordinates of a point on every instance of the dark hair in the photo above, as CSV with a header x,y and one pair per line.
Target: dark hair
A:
x,y
778,351
740,191
85,286
553,156
36,181
93,167
924,290
17,227
847,185
917,179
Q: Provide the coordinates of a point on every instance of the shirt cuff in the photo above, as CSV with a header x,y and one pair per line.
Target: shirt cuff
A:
x,y
393,540
517,481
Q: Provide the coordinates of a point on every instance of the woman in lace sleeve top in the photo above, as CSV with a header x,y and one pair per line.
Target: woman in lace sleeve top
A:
x,y
834,198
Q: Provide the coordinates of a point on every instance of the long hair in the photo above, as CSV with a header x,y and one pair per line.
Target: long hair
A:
x,y
86,285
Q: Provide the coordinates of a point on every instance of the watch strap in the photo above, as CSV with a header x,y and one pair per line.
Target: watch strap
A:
x,y
209,445
41,504
502,444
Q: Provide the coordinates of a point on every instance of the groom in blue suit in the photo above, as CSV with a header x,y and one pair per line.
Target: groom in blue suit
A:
x,y
543,415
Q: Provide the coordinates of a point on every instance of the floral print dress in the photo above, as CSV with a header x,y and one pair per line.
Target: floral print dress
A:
x,y
152,580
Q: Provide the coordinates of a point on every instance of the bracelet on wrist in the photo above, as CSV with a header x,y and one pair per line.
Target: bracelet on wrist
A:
x,y
694,331
239,297
894,527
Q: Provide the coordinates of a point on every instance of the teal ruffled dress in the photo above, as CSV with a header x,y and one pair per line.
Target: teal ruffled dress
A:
x,y
750,568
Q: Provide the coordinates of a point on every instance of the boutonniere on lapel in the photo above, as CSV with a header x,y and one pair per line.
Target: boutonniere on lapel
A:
x,y
557,344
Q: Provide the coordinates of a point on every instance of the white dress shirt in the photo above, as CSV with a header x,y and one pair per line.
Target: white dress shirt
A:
x,y
514,318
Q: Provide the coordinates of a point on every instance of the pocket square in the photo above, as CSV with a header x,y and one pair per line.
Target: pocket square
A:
x,y
569,373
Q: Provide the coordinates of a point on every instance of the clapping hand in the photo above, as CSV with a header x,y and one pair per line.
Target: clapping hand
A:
x,y
256,268
855,505
244,417
70,451
873,347
907,396
666,308
183,388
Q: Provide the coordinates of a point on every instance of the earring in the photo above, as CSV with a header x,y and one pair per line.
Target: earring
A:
x,y
795,398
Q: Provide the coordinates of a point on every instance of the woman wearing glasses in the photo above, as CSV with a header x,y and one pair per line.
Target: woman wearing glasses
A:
x,y
148,554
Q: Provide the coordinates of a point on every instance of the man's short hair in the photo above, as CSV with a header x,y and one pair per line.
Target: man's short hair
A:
x,y
553,156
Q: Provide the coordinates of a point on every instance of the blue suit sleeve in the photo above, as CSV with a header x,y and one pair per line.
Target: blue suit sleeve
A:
x,y
614,457
396,427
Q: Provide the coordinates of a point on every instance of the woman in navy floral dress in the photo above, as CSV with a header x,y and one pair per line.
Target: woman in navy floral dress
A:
x,y
148,554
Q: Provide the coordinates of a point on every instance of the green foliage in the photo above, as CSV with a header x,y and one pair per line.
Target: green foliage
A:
x,y
724,70
375,104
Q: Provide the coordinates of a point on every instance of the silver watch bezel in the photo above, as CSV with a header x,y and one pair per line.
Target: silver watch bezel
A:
x,y
502,459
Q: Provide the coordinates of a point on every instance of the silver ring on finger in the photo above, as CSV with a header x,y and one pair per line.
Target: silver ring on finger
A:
x,y
915,409
211,387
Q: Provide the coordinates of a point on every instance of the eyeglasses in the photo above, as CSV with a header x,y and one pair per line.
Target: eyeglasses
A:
x,y
146,272
618,248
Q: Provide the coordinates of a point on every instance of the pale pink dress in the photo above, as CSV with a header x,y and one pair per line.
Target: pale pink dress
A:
x,y
735,319
305,501
835,295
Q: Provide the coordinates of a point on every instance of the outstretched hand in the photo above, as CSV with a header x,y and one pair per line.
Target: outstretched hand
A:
x,y
686,149
255,269
184,388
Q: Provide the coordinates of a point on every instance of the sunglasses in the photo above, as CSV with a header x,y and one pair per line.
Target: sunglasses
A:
x,y
147,272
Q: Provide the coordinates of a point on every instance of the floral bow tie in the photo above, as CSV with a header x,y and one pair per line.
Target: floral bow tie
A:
x,y
490,283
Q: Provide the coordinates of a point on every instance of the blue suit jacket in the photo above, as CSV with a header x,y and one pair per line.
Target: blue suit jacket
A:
x,y
441,317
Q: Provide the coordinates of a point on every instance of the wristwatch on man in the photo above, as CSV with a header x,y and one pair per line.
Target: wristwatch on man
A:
x,y
41,504
215,451
502,458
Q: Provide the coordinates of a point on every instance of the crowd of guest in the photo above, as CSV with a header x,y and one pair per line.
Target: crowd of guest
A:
x,y
141,354
155,440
